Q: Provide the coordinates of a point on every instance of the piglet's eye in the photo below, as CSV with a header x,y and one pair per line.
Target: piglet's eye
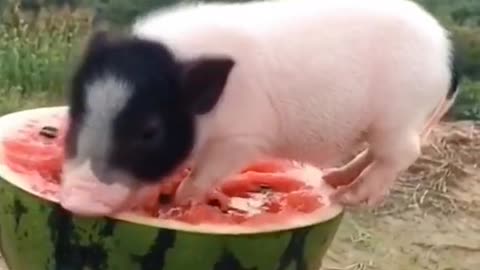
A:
x,y
150,132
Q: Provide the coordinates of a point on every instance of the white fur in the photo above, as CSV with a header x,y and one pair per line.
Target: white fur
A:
x,y
313,78
106,97
83,191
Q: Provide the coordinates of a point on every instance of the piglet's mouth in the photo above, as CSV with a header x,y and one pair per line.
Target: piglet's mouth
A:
x,y
82,193
97,201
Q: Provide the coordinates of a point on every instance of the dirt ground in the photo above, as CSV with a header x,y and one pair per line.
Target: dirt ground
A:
x,y
430,222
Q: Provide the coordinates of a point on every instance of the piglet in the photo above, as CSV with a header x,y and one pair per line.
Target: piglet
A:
x,y
227,84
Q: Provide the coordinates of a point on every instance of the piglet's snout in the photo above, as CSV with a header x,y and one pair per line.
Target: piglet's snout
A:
x,y
82,193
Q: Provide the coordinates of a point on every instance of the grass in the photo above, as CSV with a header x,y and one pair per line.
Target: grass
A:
x,y
468,102
35,54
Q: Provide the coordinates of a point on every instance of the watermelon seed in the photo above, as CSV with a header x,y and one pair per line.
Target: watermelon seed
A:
x,y
49,132
164,199
264,189
214,203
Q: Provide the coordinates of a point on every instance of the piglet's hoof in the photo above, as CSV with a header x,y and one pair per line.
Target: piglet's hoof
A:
x,y
355,196
188,194
336,177
216,197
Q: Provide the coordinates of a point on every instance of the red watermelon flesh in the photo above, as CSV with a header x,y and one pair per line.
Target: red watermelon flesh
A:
x,y
263,192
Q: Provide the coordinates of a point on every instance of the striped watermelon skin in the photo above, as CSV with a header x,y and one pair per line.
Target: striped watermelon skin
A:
x,y
36,234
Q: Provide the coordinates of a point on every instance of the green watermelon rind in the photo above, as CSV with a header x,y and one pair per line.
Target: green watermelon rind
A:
x,y
37,234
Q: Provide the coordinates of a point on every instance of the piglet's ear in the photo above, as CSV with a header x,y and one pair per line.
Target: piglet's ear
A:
x,y
101,38
98,39
203,81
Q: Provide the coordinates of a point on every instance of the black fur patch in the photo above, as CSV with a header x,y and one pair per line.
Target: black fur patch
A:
x,y
154,132
455,68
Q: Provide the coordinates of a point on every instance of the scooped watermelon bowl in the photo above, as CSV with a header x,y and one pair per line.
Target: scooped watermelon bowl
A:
x,y
279,216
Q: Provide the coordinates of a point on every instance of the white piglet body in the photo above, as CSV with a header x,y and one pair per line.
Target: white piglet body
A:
x,y
312,80
224,85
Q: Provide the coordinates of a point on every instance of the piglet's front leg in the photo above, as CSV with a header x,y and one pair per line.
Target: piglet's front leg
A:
x,y
218,162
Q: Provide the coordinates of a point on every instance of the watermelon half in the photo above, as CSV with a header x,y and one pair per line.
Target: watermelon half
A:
x,y
37,234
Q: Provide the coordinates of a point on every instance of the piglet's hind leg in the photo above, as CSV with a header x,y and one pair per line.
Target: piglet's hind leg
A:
x,y
348,173
391,155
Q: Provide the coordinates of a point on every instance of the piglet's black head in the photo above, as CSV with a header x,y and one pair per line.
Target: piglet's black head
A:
x,y
132,106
